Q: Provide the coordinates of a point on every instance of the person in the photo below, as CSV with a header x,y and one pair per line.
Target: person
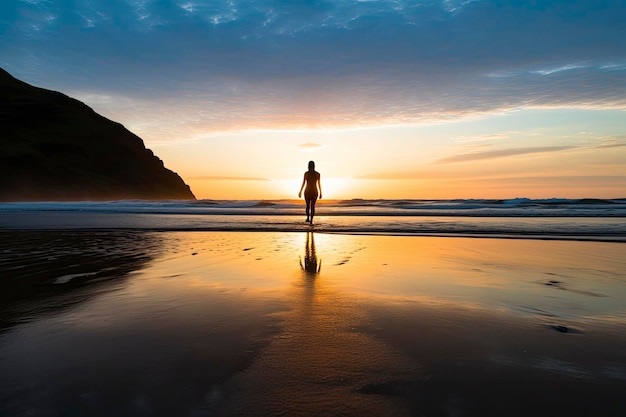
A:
x,y
312,181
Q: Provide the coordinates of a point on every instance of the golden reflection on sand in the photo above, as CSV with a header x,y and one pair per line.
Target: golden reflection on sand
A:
x,y
319,324
562,278
384,312
320,360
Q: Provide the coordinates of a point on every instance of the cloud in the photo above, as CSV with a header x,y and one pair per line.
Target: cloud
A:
x,y
489,137
611,145
608,142
500,153
310,145
262,64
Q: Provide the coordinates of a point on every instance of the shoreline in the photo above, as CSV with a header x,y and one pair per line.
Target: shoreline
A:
x,y
308,229
609,229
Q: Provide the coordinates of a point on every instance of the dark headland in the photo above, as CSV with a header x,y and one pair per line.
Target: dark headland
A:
x,y
56,148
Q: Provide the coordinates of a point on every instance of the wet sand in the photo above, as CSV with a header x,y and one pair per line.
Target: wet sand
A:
x,y
236,324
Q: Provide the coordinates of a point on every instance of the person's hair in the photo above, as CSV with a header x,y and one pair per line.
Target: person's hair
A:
x,y
311,165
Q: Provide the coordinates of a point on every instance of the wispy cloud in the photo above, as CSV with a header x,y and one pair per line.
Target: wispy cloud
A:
x,y
560,68
500,153
607,142
488,137
310,145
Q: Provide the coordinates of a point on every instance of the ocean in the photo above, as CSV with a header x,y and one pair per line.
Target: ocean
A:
x,y
555,218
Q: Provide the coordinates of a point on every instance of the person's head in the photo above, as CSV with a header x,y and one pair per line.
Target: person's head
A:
x,y
311,166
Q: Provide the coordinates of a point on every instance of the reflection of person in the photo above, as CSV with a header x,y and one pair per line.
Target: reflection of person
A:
x,y
312,181
311,265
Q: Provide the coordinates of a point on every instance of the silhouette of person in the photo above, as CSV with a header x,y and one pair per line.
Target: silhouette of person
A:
x,y
312,181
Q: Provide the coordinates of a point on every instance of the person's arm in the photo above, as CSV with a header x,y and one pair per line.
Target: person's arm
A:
x,y
302,187
319,185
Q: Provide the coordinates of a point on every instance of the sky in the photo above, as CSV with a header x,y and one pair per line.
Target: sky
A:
x,y
427,99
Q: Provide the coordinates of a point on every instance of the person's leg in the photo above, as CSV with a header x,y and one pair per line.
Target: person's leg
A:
x,y
308,208
312,210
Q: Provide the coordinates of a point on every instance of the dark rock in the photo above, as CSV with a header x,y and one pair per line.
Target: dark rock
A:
x,y
53,147
564,329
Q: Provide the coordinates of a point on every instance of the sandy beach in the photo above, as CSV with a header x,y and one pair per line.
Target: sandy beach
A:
x,y
137,323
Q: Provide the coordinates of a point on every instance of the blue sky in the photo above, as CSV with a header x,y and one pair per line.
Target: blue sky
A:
x,y
200,74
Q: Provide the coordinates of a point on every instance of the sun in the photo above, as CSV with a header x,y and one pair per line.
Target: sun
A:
x,y
333,188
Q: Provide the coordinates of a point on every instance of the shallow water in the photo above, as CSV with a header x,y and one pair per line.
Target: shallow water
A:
x,y
583,219
135,323
611,229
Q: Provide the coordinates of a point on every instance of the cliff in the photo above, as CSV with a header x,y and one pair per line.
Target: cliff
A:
x,y
55,148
